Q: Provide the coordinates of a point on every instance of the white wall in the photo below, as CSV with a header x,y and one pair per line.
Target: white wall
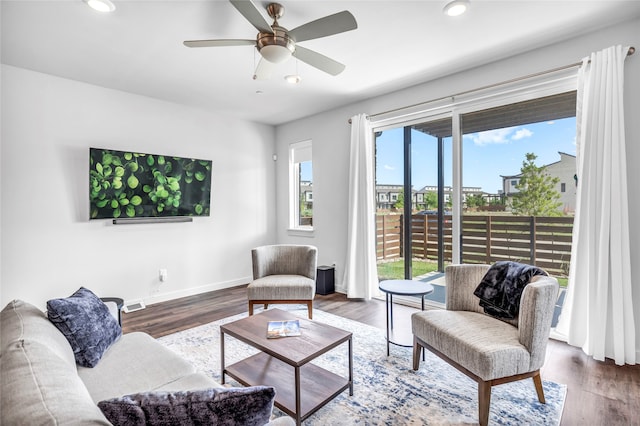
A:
x,y
50,248
330,133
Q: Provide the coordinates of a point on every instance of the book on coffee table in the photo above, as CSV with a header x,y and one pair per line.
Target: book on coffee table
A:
x,y
288,328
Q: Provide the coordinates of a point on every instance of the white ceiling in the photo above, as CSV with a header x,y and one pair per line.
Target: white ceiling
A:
x,y
138,48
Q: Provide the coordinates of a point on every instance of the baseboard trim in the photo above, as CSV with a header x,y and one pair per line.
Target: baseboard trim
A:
x,y
171,295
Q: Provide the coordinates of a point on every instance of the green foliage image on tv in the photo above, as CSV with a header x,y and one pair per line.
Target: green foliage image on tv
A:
x,y
129,185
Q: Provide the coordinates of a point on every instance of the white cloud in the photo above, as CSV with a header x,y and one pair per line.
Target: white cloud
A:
x,y
499,136
522,133
490,137
388,167
551,122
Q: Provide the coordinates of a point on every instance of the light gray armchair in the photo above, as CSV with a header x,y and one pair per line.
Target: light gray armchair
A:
x,y
488,350
284,273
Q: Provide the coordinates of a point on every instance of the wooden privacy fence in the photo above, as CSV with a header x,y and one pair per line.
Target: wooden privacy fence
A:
x,y
541,241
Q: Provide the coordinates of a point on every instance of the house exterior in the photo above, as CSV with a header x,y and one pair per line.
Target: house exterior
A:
x,y
564,170
306,194
388,195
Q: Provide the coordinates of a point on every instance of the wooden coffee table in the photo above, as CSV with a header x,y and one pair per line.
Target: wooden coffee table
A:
x,y
284,363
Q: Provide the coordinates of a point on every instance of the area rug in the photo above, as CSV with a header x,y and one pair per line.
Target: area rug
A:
x,y
386,389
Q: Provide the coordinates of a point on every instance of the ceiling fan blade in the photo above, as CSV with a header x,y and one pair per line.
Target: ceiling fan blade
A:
x,y
213,43
264,70
319,61
323,27
252,14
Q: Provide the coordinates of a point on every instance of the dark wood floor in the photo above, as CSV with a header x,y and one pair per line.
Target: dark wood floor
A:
x,y
599,393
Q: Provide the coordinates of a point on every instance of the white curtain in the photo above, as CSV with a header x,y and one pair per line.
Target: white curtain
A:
x,y
361,274
598,312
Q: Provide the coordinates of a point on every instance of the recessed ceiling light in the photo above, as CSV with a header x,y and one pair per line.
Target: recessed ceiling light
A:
x,y
293,78
104,6
456,7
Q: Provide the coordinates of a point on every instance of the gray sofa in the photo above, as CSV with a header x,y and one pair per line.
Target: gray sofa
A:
x,y
41,383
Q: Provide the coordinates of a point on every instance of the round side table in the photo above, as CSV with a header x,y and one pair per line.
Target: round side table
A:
x,y
401,288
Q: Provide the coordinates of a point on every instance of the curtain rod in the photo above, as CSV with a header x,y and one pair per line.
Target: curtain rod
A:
x,y
630,52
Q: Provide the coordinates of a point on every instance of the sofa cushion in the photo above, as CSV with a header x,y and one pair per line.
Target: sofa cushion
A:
x,y
136,363
193,381
21,320
86,323
40,388
250,406
39,382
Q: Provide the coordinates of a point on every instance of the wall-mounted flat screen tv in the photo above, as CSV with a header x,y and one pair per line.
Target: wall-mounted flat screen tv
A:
x,y
134,185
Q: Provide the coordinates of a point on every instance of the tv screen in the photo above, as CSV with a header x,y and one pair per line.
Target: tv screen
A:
x,y
134,185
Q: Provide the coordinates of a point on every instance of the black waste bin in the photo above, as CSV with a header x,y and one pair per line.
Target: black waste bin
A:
x,y
325,280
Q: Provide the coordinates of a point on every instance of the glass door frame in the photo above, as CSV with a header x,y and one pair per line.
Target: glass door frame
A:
x,y
407,185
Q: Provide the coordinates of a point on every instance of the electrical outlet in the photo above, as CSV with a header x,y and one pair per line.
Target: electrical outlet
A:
x,y
163,275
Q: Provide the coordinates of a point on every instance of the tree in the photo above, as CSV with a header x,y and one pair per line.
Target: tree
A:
x,y
431,200
497,201
400,203
537,194
475,200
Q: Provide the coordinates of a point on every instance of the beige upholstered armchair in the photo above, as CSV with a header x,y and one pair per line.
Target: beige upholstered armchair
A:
x,y
284,273
488,350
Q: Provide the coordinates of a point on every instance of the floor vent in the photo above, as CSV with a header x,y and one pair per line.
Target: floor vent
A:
x,y
135,306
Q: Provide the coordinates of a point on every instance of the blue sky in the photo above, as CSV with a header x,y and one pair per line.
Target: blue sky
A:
x,y
486,155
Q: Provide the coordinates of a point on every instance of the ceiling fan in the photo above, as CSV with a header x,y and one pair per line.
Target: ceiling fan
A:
x,y
276,44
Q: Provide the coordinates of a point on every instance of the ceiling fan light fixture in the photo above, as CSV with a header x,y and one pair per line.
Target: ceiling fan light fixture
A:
x,y
104,6
276,44
456,7
276,47
293,78
275,53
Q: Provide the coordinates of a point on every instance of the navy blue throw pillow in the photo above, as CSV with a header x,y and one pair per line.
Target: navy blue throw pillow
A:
x,y
249,406
87,324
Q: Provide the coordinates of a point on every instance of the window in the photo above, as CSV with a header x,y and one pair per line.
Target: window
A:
x,y
413,159
301,186
535,138
476,173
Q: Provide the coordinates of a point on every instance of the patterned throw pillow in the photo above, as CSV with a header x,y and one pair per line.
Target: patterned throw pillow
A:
x,y
87,324
251,406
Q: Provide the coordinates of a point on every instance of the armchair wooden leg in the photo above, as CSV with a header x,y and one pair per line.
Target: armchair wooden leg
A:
x,y
266,306
537,381
484,401
250,308
416,354
310,308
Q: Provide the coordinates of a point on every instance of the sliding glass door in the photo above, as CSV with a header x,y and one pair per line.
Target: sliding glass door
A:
x,y
483,176
519,184
413,200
